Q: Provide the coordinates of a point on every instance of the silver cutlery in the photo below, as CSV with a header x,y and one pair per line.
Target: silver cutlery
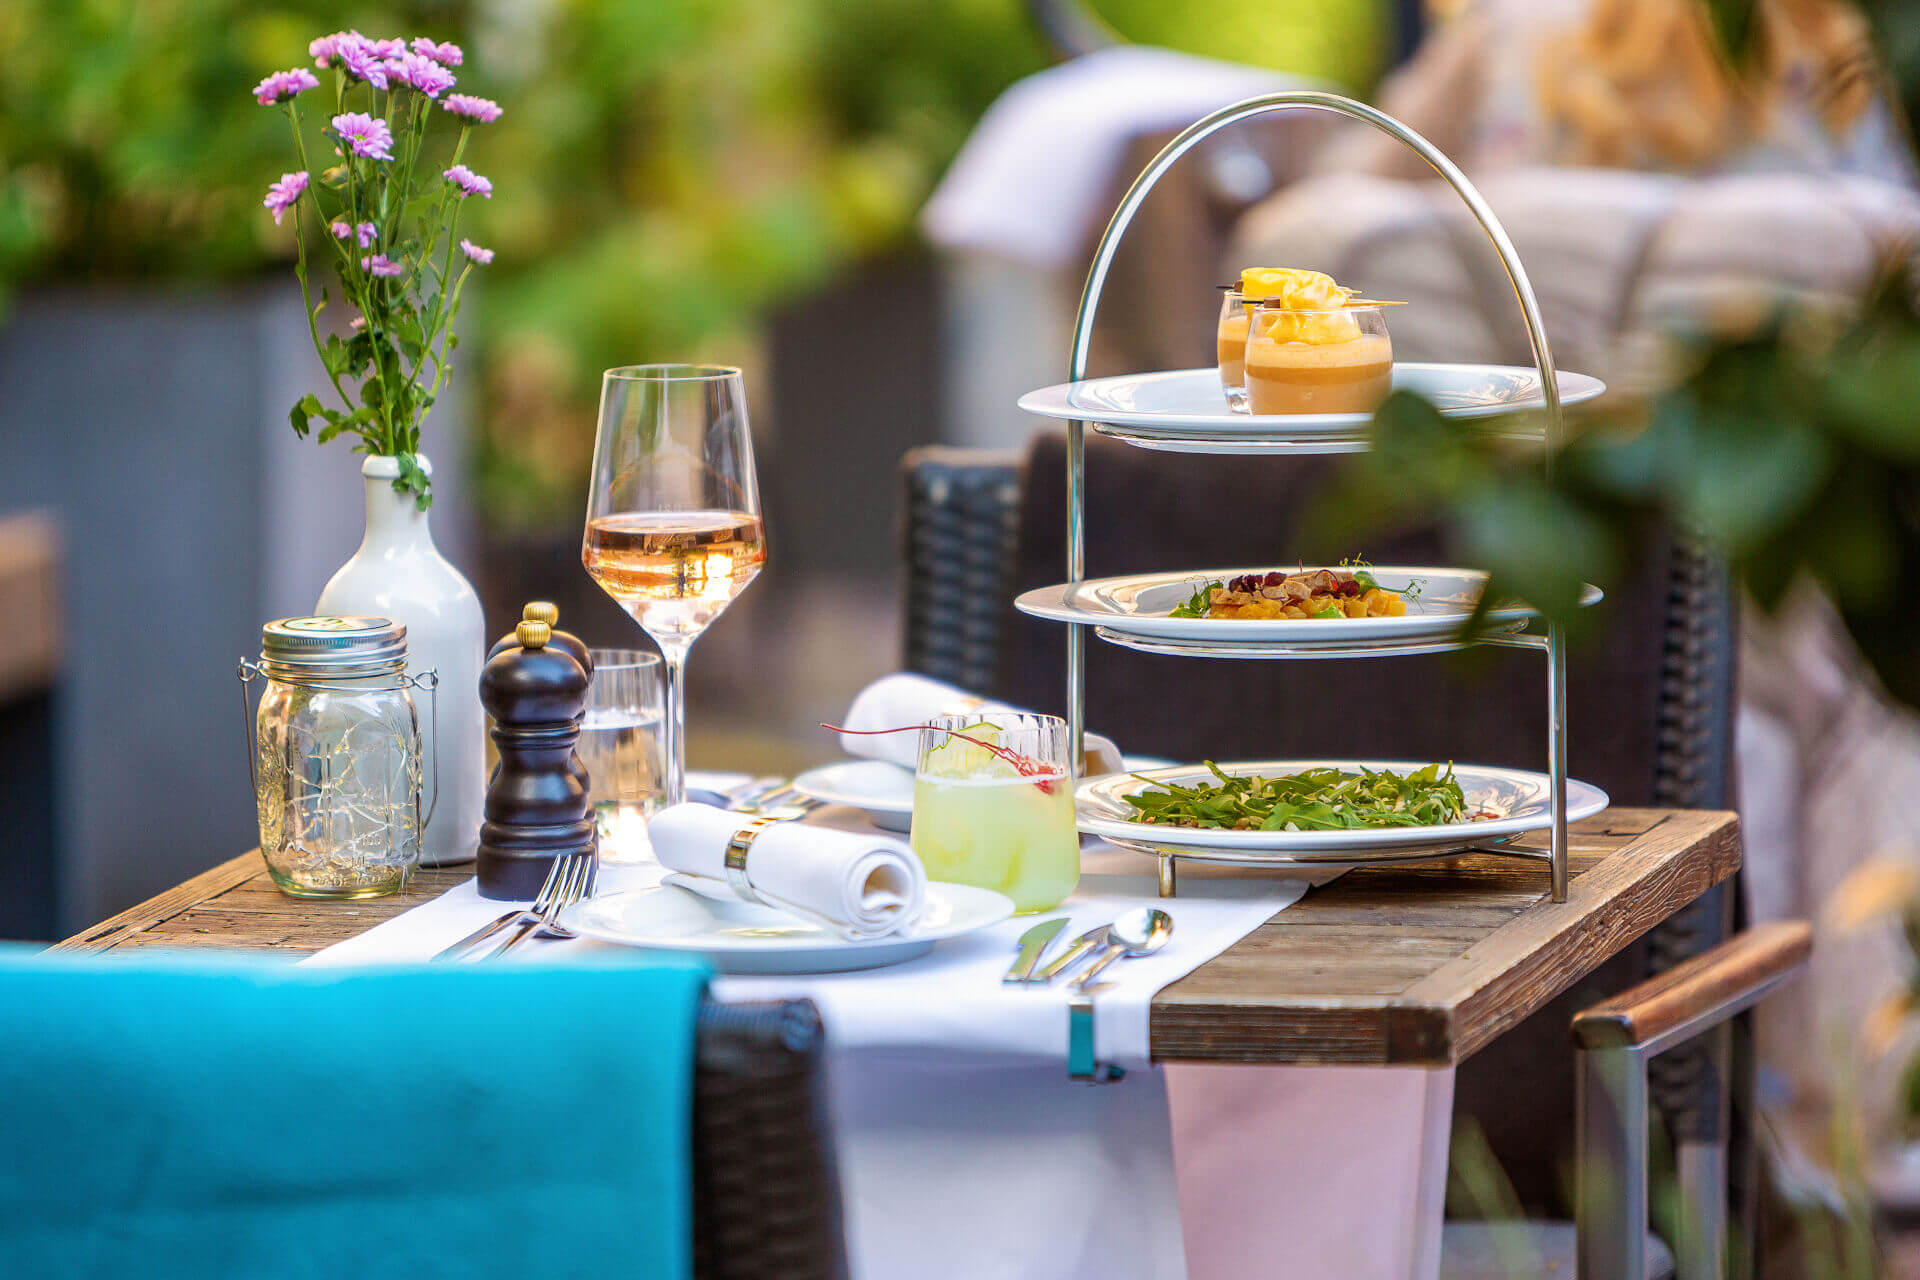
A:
x,y
1033,943
576,875
575,884
1086,942
486,931
1139,932
741,796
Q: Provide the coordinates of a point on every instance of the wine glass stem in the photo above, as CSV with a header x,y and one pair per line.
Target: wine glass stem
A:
x,y
674,723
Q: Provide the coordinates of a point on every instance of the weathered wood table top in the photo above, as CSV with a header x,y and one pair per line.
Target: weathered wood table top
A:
x,y
1418,964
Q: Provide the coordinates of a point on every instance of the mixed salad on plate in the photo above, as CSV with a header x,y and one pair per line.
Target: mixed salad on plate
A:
x,y
1311,800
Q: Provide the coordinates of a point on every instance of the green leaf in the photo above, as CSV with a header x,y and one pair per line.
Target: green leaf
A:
x,y
1537,543
302,413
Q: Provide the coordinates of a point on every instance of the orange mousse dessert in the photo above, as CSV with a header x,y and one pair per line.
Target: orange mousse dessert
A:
x,y
1310,349
1231,340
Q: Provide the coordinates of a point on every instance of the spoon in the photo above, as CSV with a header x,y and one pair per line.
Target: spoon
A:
x,y
1139,932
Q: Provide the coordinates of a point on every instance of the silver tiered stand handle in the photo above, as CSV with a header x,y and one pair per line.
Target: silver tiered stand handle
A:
x,y
1313,100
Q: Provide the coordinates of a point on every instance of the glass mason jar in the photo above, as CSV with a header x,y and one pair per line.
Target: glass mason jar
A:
x,y
336,756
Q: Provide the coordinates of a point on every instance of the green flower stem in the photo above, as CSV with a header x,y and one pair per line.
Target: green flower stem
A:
x,y
300,244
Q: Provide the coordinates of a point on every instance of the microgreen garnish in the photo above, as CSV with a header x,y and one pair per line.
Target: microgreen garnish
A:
x,y
1196,605
1313,800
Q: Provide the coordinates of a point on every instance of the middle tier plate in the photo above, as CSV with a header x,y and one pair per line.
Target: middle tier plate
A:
x,y
1136,607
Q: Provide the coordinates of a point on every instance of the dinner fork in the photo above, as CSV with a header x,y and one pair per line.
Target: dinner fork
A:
x,y
540,902
576,882
545,902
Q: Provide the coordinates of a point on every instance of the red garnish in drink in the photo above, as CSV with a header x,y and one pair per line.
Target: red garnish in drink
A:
x,y
1027,765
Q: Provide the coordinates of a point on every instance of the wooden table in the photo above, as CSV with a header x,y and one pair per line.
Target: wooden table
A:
x,y
1415,965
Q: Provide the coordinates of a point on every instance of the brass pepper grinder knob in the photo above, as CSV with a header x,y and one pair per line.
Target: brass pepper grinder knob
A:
x,y
548,615
533,633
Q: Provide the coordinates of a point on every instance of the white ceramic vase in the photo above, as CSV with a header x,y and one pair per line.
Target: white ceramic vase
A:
x,y
398,573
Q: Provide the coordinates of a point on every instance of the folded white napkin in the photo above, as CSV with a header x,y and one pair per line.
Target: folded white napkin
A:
x,y
905,698
860,886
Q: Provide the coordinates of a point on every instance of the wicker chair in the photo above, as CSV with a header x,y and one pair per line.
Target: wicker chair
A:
x,y
972,522
766,1199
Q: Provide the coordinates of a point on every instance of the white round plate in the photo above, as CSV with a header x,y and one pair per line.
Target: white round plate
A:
x,y
744,937
1239,446
1138,605
885,790
1190,402
1520,796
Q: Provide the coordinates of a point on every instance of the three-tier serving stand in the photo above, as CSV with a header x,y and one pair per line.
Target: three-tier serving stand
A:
x,y
1279,441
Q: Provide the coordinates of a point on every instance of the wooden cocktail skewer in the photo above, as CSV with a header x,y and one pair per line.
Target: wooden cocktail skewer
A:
x,y
1350,302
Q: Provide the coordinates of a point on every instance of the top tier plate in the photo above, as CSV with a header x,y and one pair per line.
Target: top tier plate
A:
x,y
1189,404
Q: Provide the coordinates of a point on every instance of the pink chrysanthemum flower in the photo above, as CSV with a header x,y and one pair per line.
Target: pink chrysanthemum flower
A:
x,y
384,49
474,251
469,182
446,54
284,194
380,265
361,62
417,72
366,135
480,110
366,233
282,85
325,49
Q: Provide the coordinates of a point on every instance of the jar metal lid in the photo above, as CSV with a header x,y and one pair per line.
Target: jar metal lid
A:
x,y
322,645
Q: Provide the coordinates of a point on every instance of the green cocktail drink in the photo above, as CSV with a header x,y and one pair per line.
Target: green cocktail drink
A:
x,y
998,820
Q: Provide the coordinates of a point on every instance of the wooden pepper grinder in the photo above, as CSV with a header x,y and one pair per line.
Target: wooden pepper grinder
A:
x,y
543,611
536,807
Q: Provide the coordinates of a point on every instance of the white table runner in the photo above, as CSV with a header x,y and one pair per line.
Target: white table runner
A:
x,y
965,1151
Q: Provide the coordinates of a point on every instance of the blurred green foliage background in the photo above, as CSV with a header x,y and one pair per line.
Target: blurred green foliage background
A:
x,y
667,171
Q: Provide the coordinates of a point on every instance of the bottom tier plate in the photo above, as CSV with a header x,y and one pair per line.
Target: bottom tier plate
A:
x,y
1521,798
1269,649
1332,863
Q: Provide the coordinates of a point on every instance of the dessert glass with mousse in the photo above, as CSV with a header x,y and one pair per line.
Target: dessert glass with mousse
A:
x,y
1231,340
1318,359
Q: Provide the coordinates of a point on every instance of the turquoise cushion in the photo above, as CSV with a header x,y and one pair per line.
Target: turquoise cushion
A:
x,y
187,1117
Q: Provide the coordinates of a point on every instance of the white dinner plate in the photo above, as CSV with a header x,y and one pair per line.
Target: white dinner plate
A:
x,y
885,790
1138,605
1190,402
744,937
1519,796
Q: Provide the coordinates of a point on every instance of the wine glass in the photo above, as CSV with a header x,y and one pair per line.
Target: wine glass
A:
x,y
673,515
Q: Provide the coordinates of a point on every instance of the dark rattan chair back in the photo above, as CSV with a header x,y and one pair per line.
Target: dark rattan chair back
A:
x,y
766,1196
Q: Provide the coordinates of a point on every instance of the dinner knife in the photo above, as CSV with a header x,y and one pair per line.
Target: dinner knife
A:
x,y
1086,942
1032,943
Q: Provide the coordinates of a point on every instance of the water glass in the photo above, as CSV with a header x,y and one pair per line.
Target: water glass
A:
x,y
993,806
622,750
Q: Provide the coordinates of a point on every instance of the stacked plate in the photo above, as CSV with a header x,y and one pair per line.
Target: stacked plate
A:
x,y
1135,611
1185,411
1519,800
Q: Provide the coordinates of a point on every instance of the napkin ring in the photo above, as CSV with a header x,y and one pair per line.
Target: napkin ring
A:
x,y
738,845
